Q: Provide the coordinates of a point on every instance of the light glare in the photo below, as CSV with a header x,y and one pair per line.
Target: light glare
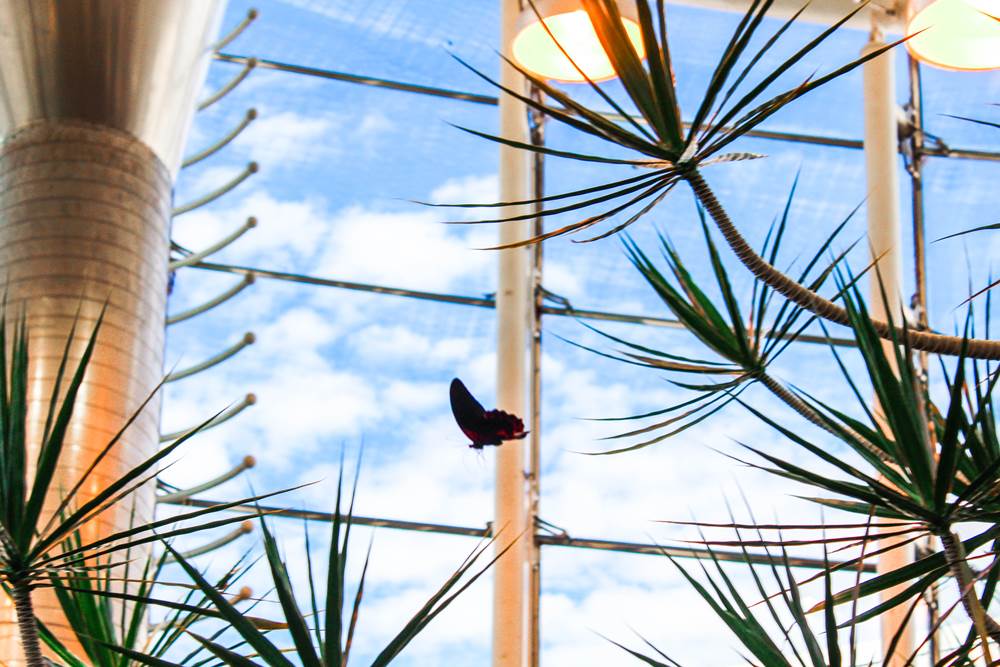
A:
x,y
957,34
536,51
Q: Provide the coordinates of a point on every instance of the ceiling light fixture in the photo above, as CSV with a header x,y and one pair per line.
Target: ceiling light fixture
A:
x,y
535,50
955,34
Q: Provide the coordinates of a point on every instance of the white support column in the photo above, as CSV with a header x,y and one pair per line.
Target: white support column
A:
x,y
885,240
510,574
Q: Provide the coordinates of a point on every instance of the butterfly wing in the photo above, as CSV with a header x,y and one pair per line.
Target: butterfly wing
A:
x,y
469,413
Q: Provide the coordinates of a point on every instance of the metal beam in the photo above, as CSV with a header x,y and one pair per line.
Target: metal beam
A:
x,y
544,539
477,98
478,301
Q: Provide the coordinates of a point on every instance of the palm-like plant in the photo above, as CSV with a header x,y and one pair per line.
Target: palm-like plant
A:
x,y
102,616
780,606
934,469
327,640
730,107
776,629
745,344
33,543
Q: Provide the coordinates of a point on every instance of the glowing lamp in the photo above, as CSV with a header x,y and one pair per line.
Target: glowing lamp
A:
x,y
536,51
956,34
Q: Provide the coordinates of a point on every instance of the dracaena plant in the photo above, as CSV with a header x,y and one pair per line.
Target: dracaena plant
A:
x,y
657,140
777,627
744,338
773,623
92,602
927,470
33,540
320,635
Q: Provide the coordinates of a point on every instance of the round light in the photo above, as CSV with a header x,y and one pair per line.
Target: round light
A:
x,y
535,50
956,34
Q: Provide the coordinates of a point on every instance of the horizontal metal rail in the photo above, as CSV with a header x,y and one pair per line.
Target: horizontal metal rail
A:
x,y
465,96
359,79
543,539
481,302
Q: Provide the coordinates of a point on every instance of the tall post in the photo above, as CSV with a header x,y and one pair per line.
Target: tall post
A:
x,y
885,241
97,99
510,574
535,442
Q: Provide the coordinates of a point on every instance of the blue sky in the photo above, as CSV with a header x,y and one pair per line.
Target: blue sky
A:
x,y
334,368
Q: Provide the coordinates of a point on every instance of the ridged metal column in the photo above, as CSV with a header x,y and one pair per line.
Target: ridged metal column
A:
x,y
96,97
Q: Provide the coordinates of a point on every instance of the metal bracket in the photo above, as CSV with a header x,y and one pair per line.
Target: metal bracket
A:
x,y
183,494
248,279
196,257
551,528
237,31
251,169
244,528
250,116
248,339
247,401
251,63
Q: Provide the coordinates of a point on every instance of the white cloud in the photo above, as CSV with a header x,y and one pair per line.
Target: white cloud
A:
x,y
481,189
288,138
404,249
287,232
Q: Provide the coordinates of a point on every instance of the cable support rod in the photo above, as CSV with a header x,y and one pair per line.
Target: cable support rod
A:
x,y
244,403
836,142
182,494
249,171
481,302
248,339
248,279
542,538
248,66
196,257
475,98
244,528
251,115
237,31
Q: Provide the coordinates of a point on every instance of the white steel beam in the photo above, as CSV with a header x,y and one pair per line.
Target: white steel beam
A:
x,y
513,302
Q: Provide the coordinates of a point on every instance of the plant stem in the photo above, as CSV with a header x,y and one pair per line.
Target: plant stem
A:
x,y
926,341
26,625
955,557
797,404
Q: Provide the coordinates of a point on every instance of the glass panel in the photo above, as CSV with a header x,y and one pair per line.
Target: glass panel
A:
x,y
335,369
337,164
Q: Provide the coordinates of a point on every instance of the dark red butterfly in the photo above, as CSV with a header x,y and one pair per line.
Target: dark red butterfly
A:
x,y
483,427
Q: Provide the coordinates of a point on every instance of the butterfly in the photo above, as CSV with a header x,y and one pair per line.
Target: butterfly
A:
x,y
482,426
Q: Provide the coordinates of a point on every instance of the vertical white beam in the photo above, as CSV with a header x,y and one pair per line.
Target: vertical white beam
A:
x,y
513,308
885,240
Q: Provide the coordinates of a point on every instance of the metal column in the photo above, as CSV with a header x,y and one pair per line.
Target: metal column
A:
x,y
97,100
510,575
885,240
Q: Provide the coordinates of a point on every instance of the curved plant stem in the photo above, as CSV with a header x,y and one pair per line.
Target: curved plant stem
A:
x,y
26,625
797,404
953,554
799,294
